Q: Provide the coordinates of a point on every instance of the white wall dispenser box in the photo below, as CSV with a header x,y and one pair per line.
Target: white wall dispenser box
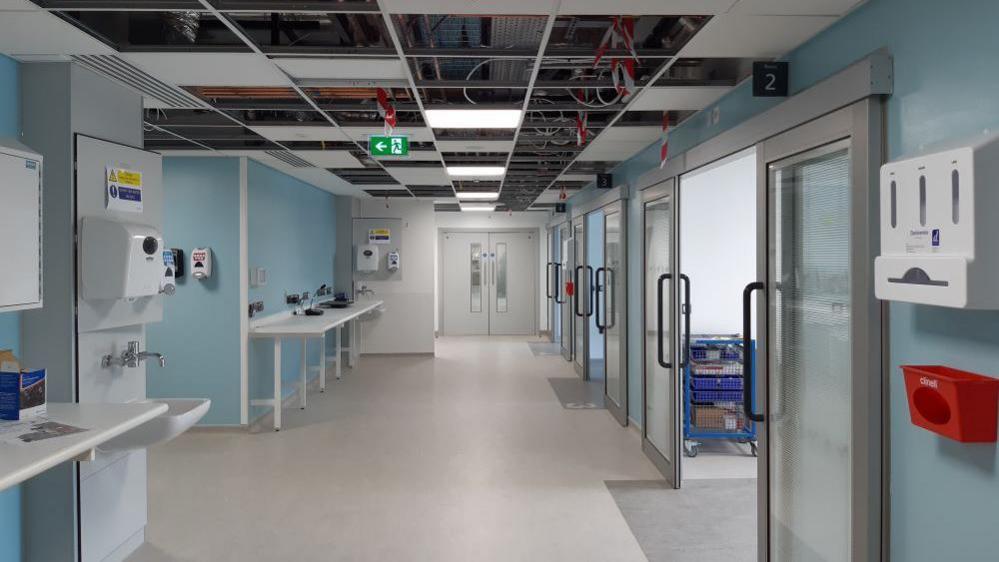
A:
x,y
20,227
393,260
367,257
201,263
939,227
121,260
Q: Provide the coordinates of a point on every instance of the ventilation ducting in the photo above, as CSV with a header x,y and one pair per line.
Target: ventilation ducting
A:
x,y
120,70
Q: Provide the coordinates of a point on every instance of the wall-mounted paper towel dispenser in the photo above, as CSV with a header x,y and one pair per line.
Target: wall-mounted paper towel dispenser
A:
x,y
939,226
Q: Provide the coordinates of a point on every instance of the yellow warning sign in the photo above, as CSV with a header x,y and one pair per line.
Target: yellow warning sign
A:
x,y
129,178
112,176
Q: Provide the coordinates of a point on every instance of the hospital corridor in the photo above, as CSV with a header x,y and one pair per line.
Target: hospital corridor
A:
x,y
498,281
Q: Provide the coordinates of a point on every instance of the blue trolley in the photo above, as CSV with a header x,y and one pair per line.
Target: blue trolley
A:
x,y
713,392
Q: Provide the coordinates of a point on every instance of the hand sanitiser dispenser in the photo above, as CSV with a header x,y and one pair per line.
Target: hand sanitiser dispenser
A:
x,y
939,226
120,260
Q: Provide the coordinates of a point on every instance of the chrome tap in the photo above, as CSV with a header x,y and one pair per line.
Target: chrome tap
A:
x,y
131,357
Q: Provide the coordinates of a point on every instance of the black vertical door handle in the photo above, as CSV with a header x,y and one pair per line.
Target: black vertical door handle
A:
x,y
575,292
659,322
747,342
610,296
599,288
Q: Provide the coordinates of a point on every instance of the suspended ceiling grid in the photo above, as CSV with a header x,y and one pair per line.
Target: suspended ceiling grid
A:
x,y
292,83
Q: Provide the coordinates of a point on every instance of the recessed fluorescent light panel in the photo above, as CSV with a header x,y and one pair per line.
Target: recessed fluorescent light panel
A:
x,y
485,207
473,118
476,171
478,195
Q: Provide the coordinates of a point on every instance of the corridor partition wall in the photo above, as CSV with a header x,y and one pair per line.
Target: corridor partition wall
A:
x,y
818,377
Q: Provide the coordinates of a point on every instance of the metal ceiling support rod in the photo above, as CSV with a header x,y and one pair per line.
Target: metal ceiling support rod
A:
x,y
397,43
173,134
655,78
291,82
545,37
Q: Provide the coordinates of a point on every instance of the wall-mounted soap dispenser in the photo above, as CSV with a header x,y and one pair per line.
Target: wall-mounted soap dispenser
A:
x,y
938,227
120,260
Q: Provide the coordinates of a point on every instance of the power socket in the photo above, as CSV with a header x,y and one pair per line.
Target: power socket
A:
x,y
256,307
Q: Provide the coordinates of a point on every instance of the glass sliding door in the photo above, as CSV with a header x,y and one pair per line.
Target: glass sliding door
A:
x,y
821,362
595,356
810,400
660,375
612,310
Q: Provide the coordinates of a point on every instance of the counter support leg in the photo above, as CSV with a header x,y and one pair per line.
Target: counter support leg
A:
x,y
304,371
277,384
339,352
322,363
353,344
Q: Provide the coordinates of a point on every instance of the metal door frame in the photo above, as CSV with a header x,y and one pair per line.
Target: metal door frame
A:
x,y
579,245
568,342
551,280
442,232
668,187
859,127
620,412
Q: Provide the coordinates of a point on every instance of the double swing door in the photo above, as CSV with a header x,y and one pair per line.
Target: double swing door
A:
x,y
817,330
488,283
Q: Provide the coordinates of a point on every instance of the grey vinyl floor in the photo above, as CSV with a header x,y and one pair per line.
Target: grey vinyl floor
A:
x,y
704,521
465,456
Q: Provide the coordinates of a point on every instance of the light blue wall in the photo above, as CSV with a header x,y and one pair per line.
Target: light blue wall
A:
x,y
199,333
292,233
10,325
944,495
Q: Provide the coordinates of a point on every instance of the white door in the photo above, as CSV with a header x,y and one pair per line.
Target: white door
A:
x,y
489,283
512,282
463,284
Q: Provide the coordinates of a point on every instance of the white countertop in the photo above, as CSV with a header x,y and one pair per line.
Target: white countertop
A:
x,y
19,462
312,326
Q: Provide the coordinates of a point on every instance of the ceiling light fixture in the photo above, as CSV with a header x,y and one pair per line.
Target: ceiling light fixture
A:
x,y
478,195
467,171
473,118
483,207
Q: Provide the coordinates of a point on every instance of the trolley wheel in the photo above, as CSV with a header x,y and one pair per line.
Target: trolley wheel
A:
x,y
690,450
752,446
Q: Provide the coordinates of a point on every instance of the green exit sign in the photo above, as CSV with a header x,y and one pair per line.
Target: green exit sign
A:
x,y
388,145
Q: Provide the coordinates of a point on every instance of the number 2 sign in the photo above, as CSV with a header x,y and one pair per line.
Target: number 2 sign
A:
x,y
770,79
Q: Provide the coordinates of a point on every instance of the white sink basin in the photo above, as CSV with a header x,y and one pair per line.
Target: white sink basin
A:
x,y
182,413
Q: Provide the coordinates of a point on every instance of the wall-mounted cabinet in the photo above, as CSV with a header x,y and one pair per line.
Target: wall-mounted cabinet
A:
x,y
20,227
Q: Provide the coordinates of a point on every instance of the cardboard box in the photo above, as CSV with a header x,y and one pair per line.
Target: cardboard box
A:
x,y
22,392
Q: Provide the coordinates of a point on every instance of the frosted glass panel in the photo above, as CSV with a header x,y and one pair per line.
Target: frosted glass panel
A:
x,y
614,304
476,278
658,380
810,390
501,304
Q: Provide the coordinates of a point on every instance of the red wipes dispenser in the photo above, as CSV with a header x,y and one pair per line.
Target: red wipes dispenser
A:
x,y
957,404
